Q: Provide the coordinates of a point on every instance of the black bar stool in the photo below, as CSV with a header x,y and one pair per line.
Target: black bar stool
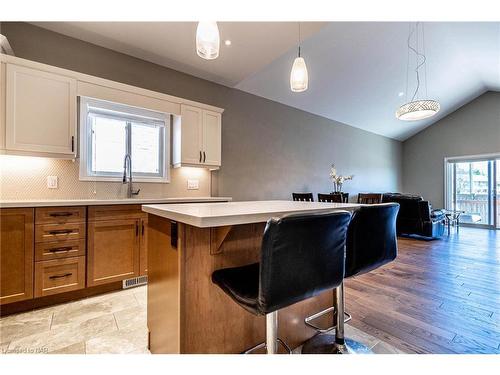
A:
x,y
301,256
371,243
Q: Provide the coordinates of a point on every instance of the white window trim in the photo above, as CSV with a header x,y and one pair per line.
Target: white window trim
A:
x,y
84,145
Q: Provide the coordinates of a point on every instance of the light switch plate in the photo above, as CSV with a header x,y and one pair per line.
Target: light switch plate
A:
x,y
193,184
52,182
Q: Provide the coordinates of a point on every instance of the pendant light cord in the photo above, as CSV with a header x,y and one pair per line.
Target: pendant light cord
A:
x,y
418,55
299,39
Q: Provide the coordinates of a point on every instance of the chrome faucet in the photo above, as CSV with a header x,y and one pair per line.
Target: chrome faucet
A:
x,y
130,190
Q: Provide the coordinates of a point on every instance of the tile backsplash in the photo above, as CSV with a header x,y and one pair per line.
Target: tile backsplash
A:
x,y
23,178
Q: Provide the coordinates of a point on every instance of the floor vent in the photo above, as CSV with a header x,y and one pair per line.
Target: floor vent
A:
x,y
136,281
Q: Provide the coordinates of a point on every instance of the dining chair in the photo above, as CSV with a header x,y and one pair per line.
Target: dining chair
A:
x,y
371,198
330,198
304,197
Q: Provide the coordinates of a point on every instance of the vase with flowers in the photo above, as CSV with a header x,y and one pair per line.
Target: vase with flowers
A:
x,y
338,180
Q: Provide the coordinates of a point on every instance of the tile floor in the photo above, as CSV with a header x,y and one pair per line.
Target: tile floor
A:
x,y
105,324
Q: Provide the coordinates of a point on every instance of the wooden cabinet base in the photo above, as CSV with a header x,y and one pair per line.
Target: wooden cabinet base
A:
x,y
36,303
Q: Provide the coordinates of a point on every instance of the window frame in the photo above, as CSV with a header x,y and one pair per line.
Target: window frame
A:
x,y
123,112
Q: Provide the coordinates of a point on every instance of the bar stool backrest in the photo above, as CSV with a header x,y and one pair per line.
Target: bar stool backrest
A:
x,y
302,256
371,238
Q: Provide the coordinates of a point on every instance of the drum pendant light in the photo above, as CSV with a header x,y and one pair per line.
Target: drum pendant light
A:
x,y
417,109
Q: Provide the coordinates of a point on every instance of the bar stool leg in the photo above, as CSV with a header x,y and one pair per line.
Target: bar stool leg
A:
x,y
326,343
272,340
272,332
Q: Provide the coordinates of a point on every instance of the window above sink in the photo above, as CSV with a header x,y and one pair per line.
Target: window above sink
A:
x,y
109,131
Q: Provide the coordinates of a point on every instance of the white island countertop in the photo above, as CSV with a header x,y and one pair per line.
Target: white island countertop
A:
x,y
101,202
234,213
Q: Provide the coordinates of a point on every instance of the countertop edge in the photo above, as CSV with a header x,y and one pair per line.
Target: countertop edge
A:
x,y
226,220
108,202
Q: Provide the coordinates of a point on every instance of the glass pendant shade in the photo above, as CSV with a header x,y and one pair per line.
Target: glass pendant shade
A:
x,y
417,110
299,79
207,40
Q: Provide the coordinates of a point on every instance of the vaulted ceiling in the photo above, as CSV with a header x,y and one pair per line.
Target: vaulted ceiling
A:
x,y
357,70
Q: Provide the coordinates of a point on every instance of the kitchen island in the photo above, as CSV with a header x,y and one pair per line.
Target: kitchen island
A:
x,y
189,314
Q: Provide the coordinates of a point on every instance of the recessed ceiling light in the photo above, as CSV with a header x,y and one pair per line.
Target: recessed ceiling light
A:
x,y
401,94
227,42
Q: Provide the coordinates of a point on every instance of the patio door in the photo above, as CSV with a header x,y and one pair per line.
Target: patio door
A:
x,y
472,187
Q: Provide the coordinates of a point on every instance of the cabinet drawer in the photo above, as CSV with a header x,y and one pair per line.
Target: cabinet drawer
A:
x,y
59,249
47,215
59,275
59,232
116,212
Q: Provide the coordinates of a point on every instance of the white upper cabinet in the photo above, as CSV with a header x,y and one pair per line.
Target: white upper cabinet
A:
x,y
212,134
41,113
192,137
197,138
38,113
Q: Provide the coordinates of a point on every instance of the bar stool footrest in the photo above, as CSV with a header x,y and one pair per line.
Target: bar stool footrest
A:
x,y
307,320
263,345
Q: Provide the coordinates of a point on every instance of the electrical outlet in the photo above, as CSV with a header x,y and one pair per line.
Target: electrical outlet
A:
x,y
193,184
52,182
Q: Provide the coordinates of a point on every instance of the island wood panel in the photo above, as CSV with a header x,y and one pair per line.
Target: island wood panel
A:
x,y
187,313
143,261
163,312
16,254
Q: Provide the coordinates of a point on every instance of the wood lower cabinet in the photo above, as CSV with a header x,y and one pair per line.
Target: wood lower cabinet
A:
x,y
16,254
59,275
50,250
116,236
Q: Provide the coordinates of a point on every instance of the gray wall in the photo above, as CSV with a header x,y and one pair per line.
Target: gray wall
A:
x,y
473,129
268,149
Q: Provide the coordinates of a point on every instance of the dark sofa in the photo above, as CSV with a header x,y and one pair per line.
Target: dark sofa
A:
x,y
416,216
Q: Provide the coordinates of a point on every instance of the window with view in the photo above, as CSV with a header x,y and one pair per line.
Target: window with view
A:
x,y
110,131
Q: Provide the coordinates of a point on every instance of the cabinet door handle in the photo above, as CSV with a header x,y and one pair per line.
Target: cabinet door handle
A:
x,y
200,156
60,249
204,157
61,231
72,143
60,276
142,228
59,214
136,228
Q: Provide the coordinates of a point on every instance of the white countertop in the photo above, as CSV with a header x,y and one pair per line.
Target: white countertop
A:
x,y
234,213
100,202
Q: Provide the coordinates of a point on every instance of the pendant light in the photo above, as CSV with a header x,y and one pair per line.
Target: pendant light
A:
x,y
207,40
299,79
416,108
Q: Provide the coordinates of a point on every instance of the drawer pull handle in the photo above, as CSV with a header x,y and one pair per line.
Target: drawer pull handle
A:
x,y
60,249
59,214
61,231
60,276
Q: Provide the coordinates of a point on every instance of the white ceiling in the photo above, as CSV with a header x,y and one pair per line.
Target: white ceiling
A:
x,y
356,69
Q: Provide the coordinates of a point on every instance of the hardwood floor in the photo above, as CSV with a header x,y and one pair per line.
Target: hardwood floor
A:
x,y
440,296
